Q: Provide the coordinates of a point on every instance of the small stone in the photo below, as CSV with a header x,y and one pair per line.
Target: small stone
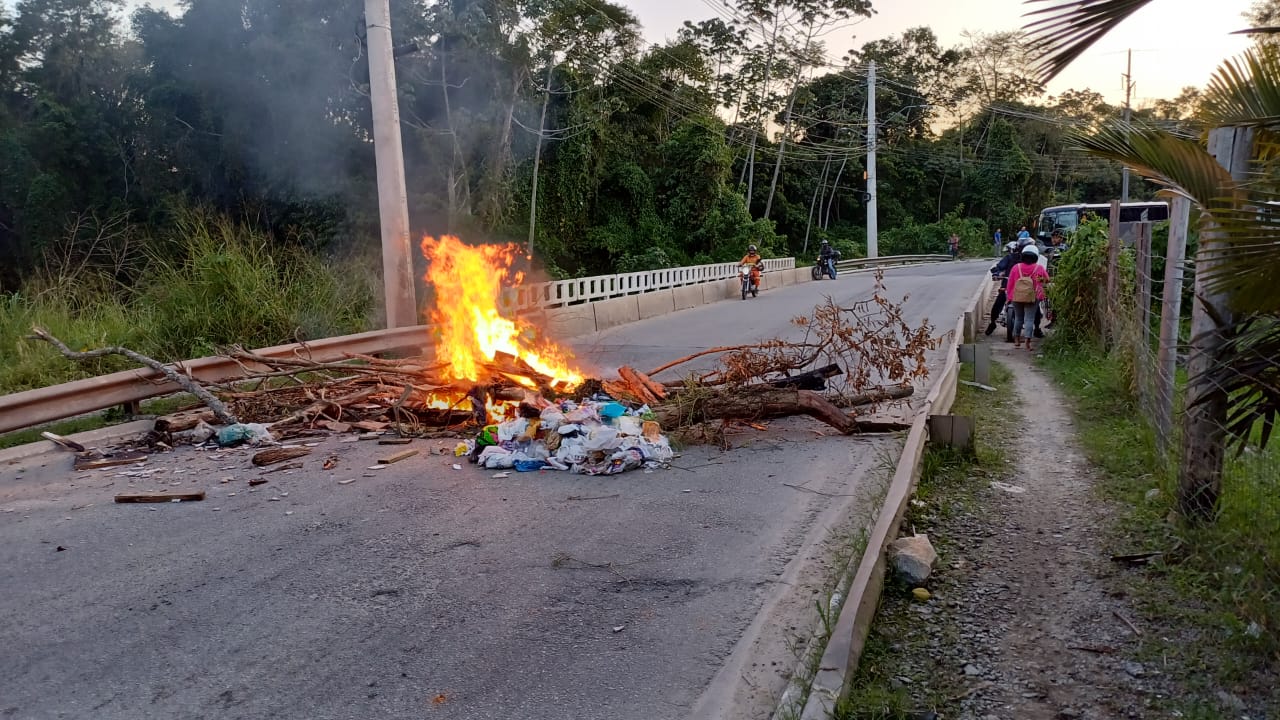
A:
x,y
920,594
1153,494
972,671
1133,669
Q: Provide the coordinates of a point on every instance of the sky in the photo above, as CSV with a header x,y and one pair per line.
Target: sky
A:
x,y
1175,43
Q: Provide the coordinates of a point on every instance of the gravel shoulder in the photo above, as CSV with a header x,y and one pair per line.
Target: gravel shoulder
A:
x,y
1029,618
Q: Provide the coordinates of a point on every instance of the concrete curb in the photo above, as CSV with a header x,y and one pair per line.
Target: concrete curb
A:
x,y
848,636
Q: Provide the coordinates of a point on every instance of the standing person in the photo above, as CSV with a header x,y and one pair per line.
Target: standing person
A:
x,y
999,238
953,245
1023,236
1026,289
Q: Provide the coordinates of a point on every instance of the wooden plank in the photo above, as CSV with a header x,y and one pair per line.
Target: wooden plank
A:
x,y
275,455
395,441
159,497
124,458
397,457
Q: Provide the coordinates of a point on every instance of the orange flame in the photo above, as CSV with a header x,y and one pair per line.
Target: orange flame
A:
x,y
468,281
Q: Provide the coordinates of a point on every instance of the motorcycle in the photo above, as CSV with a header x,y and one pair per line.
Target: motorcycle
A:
x,y
826,267
750,280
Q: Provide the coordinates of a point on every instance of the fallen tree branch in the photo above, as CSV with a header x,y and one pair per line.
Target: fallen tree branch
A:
x,y
751,403
171,374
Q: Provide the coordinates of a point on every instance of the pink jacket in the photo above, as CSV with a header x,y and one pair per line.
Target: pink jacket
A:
x,y
1035,271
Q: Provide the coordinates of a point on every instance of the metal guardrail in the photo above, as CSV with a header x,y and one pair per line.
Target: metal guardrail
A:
x,y
859,263
559,293
42,405
56,402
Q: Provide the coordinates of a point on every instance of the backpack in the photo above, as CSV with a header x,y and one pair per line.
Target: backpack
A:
x,y
1024,288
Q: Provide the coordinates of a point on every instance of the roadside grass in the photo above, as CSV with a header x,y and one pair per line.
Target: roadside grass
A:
x,y
1215,593
207,284
950,480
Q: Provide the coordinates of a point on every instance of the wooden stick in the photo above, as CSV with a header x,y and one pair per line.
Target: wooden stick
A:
x,y
397,457
695,356
65,443
159,497
171,374
1125,620
753,403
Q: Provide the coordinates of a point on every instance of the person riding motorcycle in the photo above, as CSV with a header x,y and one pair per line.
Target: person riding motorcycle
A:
x,y
756,262
825,253
999,272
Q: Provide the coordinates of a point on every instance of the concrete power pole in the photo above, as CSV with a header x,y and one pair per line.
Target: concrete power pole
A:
x,y
1128,89
873,230
393,205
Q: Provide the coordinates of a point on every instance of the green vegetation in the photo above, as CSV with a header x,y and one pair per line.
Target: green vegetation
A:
x,y
210,283
948,482
1216,587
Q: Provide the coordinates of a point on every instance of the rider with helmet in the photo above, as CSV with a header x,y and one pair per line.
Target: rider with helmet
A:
x,y
828,253
999,272
756,262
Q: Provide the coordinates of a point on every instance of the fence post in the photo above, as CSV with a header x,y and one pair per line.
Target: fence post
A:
x,y
1113,276
1142,246
1204,425
1175,257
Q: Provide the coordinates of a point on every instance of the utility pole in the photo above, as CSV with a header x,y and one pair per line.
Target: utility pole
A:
x,y
873,230
1204,423
537,157
1128,90
393,201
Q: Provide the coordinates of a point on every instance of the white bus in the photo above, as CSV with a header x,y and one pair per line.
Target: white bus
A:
x,y
1064,219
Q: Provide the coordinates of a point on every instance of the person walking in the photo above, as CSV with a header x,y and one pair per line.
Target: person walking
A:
x,y
1025,289
953,245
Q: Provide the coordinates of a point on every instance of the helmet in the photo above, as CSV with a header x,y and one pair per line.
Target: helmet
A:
x,y
1031,249
751,248
824,242
1011,245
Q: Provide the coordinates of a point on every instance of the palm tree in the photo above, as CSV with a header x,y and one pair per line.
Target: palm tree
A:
x,y
1234,390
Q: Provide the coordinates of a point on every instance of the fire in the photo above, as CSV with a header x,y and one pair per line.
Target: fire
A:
x,y
468,281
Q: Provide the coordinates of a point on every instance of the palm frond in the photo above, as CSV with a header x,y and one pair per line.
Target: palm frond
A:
x,y
1067,29
1251,378
1245,91
1245,217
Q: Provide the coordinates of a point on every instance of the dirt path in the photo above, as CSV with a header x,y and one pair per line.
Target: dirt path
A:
x,y
1043,634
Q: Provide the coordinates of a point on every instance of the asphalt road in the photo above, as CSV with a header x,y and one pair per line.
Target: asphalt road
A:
x,y
421,591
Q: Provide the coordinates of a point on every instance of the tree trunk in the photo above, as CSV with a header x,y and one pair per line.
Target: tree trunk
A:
x,y
1204,425
786,128
751,403
822,182
537,161
835,190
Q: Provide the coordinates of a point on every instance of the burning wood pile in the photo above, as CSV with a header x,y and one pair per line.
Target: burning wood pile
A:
x,y
518,401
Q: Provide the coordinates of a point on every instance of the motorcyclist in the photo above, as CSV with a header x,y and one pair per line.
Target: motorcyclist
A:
x,y
825,253
1000,271
756,262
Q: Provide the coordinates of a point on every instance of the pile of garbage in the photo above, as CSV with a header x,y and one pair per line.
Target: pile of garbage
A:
x,y
597,436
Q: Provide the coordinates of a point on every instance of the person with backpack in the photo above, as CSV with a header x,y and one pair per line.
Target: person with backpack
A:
x,y
1025,289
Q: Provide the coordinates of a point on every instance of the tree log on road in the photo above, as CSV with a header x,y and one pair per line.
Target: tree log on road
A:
x,y
751,403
